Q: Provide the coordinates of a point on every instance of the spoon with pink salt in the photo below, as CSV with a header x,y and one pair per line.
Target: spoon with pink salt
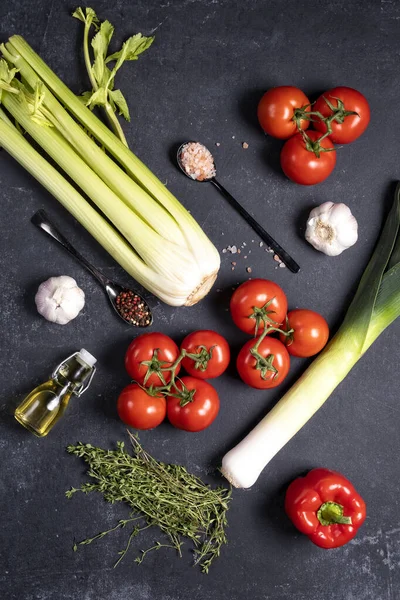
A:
x,y
197,163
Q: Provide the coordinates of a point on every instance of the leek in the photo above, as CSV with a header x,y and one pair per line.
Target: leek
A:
x,y
375,306
169,253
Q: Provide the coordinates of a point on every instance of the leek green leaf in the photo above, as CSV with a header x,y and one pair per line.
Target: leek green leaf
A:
x,y
395,258
359,314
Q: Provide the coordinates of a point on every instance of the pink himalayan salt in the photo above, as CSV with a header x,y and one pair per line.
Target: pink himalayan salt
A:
x,y
197,161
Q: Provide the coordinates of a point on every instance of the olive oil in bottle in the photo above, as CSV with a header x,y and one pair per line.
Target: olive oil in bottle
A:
x,y
46,404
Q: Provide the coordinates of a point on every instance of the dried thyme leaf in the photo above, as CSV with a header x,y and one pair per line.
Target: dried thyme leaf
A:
x,y
159,494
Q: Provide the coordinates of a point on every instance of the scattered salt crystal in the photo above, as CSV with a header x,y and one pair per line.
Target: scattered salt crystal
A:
x,y
252,241
244,244
232,249
219,290
224,251
245,145
217,144
232,268
282,265
222,233
233,137
261,244
245,257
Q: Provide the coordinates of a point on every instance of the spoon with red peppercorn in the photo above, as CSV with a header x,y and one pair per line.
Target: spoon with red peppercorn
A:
x,y
127,303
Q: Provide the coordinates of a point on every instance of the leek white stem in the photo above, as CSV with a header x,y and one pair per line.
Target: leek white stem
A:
x,y
244,463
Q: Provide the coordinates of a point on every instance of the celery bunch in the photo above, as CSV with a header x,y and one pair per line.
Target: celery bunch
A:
x,y
151,234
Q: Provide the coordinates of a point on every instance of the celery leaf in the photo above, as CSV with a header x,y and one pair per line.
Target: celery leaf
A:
x,y
117,99
6,77
98,98
131,49
88,18
100,44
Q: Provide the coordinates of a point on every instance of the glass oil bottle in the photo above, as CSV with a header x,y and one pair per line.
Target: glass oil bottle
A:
x,y
46,404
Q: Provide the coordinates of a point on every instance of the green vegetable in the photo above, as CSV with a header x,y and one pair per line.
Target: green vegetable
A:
x,y
101,76
161,495
155,239
375,306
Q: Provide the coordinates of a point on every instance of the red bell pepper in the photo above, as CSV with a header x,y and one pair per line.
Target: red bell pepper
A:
x,y
325,506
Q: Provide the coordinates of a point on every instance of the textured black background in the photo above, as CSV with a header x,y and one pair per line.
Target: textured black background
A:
x,y
211,61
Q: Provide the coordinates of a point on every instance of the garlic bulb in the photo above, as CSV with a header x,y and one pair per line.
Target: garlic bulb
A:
x,y
331,228
59,299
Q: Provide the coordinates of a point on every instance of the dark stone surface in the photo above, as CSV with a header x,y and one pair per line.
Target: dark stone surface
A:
x,y
202,80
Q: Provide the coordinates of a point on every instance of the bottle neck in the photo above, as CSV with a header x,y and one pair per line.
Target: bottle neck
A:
x,y
73,375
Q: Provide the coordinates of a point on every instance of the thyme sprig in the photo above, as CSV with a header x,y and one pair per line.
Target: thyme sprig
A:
x,y
159,494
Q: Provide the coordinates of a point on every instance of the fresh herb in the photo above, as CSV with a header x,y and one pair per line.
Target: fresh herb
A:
x,y
102,78
167,496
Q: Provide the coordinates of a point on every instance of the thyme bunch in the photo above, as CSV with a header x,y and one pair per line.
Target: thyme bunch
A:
x,y
159,494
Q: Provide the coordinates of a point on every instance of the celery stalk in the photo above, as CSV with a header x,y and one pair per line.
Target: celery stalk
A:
x,y
138,233
18,147
116,179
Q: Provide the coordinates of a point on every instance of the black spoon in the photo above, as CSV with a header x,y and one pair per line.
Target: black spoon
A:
x,y
264,235
113,289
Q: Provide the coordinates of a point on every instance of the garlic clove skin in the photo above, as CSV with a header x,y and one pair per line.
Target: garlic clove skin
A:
x,y
331,228
59,299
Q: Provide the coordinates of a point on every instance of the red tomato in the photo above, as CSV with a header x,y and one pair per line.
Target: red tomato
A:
x,y
311,333
203,343
142,349
303,166
138,409
257,293
200,411
246,363
348,128
276,110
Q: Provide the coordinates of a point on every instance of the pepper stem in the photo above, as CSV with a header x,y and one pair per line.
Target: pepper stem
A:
x,y
330,513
